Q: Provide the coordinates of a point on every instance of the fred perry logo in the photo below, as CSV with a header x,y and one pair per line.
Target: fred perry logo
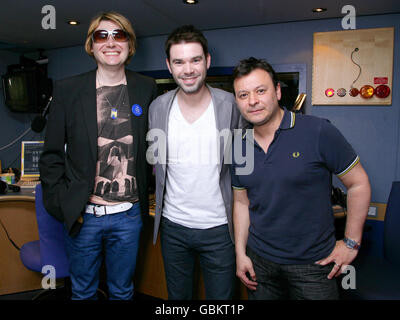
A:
x,y
296,154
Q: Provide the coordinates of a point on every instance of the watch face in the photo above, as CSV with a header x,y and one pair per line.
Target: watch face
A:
x,y
351,244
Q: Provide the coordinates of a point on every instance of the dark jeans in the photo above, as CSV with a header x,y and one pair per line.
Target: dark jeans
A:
x,y
118,236
298,282
214,248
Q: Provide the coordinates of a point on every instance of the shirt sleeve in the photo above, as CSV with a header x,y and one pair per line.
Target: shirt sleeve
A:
x,y
236,184
338,155
235,180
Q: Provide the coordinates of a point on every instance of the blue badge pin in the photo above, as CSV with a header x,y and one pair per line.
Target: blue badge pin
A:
x,y
137,110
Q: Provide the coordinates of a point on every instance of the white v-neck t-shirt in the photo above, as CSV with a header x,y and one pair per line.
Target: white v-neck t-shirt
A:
x,y
192,194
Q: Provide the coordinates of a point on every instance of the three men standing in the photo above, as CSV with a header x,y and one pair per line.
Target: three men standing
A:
x,y
94,176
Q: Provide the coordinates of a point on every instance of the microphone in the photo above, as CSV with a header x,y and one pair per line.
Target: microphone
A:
x,y
39,122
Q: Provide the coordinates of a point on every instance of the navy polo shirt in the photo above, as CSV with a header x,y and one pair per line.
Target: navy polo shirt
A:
x,y
291,218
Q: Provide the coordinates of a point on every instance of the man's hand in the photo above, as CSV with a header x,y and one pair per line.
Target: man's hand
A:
x,y
341,256
244,266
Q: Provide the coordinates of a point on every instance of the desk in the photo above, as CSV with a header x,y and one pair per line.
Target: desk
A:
x,y
17,212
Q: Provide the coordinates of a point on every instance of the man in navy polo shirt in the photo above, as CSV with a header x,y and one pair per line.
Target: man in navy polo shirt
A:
x,y
283,219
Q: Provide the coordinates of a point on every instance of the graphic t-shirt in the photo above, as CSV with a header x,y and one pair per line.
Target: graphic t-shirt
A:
x,y
115,171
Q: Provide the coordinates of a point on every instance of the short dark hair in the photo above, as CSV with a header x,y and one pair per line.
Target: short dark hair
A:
x,y
248,65
186,33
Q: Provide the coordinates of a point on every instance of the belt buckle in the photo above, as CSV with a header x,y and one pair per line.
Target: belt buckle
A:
x,y
96,215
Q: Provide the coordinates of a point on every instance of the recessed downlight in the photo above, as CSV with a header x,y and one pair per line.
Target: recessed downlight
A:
x,y
73,22
317,10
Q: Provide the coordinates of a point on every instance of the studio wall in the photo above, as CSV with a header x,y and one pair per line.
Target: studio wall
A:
x,y
372,130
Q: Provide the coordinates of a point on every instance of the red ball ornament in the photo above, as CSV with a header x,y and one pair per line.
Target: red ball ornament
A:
x,y
382,91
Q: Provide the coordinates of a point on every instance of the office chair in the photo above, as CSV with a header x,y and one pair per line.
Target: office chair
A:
x,y
49,249
379,279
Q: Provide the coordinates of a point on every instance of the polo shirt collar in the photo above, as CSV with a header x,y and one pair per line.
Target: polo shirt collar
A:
x,y
288,120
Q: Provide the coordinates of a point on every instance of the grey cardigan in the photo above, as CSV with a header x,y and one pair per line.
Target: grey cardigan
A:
x,y
226,116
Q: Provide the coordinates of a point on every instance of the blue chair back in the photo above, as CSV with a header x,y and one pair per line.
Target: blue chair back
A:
x,y
51,237
391,240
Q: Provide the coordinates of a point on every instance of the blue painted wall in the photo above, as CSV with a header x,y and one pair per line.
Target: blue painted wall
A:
x,y
372,130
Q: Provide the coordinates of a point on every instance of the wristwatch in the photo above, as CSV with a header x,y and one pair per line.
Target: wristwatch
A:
x,y
351,244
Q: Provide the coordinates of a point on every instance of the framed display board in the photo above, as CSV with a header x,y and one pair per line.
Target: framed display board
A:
x,y
353,67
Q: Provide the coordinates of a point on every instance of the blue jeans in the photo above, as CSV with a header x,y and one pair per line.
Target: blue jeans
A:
x,y
294,281
117,237
180,247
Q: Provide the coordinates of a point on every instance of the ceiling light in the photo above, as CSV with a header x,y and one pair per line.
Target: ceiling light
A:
x,y
190,1
73,22
319,10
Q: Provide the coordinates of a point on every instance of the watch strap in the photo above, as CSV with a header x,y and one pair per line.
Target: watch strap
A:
x,y
351,244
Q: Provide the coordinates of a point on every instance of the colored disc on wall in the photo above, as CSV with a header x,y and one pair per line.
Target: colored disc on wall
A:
x,y
353,92
341,92
382,91
329,92
367,92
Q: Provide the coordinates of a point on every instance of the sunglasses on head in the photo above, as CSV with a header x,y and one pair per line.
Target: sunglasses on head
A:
x,y
101,36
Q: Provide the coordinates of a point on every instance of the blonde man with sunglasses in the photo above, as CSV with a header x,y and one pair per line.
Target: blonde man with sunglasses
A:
x,y
93,167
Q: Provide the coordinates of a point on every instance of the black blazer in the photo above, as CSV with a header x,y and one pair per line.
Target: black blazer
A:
x,y
68,162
